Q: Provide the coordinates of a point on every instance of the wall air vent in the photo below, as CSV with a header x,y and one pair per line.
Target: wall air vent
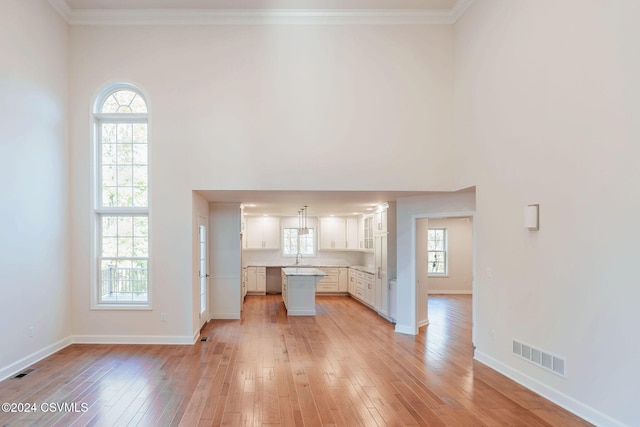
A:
x,y
545,360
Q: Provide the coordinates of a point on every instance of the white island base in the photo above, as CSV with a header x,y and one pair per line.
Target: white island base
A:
x,y
299,290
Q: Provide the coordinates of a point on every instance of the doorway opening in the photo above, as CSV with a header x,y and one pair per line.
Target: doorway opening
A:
x,y
444,258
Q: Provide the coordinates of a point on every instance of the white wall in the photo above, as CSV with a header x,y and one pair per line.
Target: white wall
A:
x,y
229,109
422,278
224,260
459,279
34,282
547,112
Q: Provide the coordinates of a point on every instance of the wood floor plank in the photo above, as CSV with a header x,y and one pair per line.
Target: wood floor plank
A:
x,y
344,367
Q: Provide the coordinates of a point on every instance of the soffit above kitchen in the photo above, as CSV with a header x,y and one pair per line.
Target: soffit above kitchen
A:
x,y
320,203
259,12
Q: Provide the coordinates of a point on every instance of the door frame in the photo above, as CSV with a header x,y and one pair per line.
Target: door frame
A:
x,y
203,223
414,262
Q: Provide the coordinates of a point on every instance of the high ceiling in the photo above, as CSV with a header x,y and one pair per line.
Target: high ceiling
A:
x,y
262,4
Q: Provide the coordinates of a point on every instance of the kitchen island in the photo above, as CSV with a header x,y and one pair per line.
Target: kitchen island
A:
x,y
299,290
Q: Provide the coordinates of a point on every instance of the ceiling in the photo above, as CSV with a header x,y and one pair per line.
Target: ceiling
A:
x,y
320,203
260,4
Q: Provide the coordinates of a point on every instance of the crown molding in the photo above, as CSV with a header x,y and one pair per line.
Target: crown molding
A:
x,y
62,8
260,16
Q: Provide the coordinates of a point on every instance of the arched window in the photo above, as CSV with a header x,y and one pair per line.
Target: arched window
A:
x,y
122,197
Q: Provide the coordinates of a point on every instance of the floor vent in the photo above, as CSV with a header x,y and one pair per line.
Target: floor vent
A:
x,y
203,339
548,361
23,374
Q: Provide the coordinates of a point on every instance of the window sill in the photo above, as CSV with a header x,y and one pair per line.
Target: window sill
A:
x,y
115,307
439,276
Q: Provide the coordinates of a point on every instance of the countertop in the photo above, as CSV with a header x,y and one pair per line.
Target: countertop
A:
x,y
303,271
363,268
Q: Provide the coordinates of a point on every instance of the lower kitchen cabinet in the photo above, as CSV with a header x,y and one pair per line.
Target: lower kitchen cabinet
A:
x,y
363,287
256,280
336,281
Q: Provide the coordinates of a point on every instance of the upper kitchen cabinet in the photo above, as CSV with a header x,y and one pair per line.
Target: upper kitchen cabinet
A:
x,y
262,232
367,233
333,234
380,220
352,233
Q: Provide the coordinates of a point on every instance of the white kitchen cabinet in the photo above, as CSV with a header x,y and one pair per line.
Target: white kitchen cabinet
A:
x,y
364,289
256,280
381,297
329,283
333,233
368,232
380,221
384,248
352,233
343,280
252,285
262,233
244,282
352,281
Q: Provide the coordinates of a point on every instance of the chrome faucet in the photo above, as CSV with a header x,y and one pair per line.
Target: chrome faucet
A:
x,y
298,258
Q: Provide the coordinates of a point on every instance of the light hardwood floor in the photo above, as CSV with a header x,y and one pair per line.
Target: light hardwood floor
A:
x,y
343,367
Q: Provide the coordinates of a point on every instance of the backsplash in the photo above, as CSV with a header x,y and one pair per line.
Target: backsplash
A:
x,y
257,257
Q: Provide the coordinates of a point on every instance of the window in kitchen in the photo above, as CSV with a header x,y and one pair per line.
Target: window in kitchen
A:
x,y
121,209
295,243
437,250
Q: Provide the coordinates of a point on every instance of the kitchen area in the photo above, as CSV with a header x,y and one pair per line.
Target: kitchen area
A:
x,y
350,255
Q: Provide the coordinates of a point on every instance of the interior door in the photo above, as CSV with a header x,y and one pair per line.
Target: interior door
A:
x,y
203,272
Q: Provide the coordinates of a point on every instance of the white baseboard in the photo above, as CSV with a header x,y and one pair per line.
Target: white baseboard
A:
x,y
405,330
570,404
29,360
133,339
450,292
225,316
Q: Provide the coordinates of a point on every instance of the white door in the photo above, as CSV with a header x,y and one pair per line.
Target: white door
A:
x,y
204,272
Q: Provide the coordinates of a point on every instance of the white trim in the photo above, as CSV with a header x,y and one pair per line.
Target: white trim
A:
x,y
134,339
459,9
62,8
414,218
402,329
34,357
567,402
261,16
449,292
225,316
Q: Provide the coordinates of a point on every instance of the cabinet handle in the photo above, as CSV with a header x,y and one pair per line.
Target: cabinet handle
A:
x,y
379,272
